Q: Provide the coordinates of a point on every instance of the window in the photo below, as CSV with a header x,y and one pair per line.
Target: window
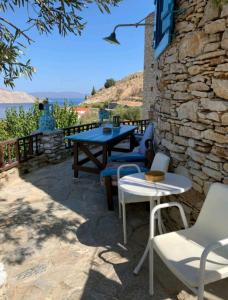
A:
x,y
163,25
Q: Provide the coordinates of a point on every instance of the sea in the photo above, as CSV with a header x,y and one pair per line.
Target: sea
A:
x,y
27,106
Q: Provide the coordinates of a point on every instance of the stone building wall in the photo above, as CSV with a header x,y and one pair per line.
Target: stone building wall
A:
x,y
187,91
148,67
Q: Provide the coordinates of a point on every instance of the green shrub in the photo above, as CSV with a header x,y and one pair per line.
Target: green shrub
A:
x,y
109,82
19,123
127,113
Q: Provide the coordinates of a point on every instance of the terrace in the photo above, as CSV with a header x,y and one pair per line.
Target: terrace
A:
x,y
59,241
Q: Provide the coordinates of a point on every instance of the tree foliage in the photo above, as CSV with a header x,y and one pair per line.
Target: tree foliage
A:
x,y
127,113
21,122
109,82
45,17
93,91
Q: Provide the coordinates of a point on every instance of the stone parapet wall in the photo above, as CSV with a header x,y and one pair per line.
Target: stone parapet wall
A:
x,y
53,151
188,95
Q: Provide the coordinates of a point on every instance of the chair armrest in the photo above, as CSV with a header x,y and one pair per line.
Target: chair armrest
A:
x,y
166,205
127,166
206,252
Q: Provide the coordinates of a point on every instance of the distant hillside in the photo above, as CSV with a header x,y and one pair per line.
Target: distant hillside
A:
x,y
127,91
58,95
15,97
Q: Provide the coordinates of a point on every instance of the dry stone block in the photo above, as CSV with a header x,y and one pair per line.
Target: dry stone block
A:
x,y
179,86
180,140
172,147
224,43
214,105
225,167
213,116
222,68
220,87
215,26
214,136
224,11
198,78
196,69
211,47
184,26
224,119
212,173
197,187
182,96
188,110
190,132
192,44
196,155
177,68
211,12
220,151
210,55
198,173
199,94
199,86
212,164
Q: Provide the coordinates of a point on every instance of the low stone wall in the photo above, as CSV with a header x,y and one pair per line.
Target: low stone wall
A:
x,y
54,151
187,94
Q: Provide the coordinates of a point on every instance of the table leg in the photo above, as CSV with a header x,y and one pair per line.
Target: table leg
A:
x,y
105,156
76,150
132,142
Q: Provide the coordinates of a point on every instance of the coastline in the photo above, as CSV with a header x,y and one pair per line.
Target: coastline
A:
x,y
28,105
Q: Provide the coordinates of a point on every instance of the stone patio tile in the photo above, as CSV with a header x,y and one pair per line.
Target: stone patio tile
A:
x,y
59,241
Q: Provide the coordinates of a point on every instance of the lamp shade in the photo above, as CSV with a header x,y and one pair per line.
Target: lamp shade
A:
x,y
112,39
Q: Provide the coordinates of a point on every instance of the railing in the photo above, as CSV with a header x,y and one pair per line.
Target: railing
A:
x,y
18,150
13,152
141,124
77,129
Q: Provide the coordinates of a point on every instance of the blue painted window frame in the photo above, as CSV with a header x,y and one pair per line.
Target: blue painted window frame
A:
x,y
163,25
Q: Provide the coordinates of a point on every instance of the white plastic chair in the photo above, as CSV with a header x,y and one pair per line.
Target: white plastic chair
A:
x,y
196,255
160,162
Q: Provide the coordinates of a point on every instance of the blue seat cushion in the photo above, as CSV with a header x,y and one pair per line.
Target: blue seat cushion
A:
x,y
148,135
112,171
128,157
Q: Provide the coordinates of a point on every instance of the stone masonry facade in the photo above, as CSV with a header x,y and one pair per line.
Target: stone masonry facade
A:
x,y
186,95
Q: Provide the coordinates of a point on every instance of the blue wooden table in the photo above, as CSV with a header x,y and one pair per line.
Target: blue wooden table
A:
x,y
107,141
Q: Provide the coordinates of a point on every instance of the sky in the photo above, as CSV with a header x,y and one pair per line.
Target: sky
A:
x,y
77,63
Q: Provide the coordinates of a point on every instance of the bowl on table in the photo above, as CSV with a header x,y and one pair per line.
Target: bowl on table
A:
x,y
154,176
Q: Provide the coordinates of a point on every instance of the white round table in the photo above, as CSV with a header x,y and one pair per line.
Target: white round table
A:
x,y
136,184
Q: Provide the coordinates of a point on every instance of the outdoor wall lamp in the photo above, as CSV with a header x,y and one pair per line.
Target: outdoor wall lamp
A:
x,y
112,37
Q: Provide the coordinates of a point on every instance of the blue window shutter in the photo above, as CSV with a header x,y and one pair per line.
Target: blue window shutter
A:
x,y
164,25
162,45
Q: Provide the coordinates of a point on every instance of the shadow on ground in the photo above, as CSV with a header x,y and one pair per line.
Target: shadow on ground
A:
x,y
59,241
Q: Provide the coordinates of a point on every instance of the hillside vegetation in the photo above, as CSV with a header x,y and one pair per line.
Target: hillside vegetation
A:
x,y
127,91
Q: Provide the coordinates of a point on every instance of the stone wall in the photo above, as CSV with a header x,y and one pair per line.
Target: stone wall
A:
x,y
54,151
187,91
148,68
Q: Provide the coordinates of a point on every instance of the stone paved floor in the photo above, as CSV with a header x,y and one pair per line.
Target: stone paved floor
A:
x,y
59,241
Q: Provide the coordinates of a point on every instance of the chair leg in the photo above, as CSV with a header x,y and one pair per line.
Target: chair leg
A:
x,y
124,222
119,202
160,229
151,269
120,210
200,292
